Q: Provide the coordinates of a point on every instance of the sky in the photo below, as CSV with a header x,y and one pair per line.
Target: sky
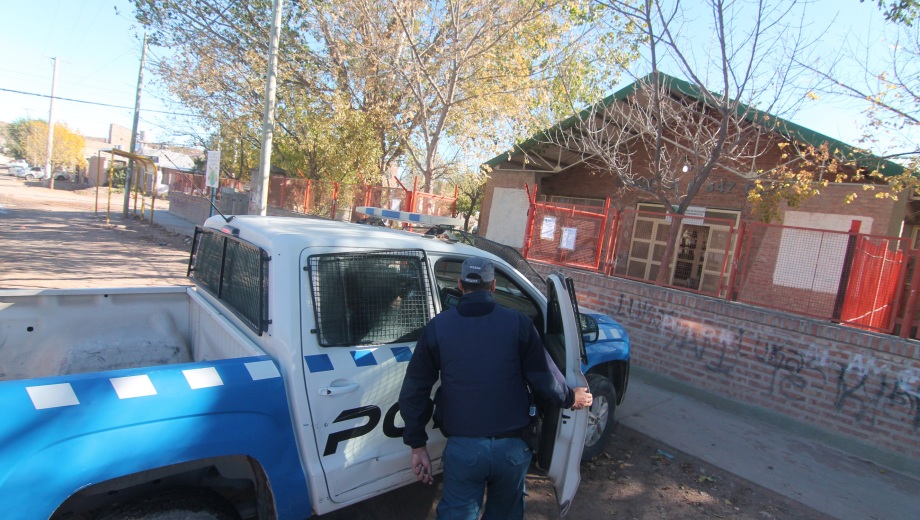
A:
x,y
98,53
99,50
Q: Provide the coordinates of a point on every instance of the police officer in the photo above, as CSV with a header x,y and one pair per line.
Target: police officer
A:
x,y
483,354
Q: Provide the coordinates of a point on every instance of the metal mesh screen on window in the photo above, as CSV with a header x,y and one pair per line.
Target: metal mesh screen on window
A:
x,y
206,262
234,271
244,278
370,298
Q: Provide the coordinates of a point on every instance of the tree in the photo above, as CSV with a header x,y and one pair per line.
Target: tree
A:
x,y
471,187
29,140
391,84
887,82
466,62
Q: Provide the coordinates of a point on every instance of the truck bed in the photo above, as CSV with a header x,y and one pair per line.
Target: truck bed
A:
x,y
47,333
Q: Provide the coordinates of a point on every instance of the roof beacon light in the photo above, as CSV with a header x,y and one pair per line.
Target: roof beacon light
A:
x,y
407,216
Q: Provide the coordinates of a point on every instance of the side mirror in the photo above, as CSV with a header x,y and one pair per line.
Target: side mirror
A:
x,y
589,329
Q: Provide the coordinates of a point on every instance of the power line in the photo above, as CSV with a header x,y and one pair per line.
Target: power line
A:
x,y
95,103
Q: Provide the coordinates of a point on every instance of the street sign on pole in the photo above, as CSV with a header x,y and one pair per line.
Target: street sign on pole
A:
x,y
212,169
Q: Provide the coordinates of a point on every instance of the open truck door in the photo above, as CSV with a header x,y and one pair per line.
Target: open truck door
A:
x,y
562,436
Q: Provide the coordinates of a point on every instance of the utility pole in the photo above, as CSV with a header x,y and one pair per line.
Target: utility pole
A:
x,y
259,198
129,175
50,148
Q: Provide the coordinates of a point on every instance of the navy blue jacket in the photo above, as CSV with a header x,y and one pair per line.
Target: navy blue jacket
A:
x,y
483,353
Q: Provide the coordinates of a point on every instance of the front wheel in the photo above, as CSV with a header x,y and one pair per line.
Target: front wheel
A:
x,y
601,418
179,504
30,177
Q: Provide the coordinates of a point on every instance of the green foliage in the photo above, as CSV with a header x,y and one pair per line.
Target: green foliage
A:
x,y
118,177
899,11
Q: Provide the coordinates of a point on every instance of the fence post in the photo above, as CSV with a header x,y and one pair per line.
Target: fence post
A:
x,y
845,274
600,239
907,320
612,241
528,228
283,189
736,262
453,210
335,198
306,196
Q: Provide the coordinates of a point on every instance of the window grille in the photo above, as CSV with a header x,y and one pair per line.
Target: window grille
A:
x,y
234,271
370,298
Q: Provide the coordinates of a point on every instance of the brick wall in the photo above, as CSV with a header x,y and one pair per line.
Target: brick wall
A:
x,y
857,385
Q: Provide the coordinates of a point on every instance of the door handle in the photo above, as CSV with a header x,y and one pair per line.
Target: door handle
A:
x,y
336,390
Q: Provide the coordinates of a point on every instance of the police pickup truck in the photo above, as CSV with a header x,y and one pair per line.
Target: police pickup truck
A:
x,y
269,388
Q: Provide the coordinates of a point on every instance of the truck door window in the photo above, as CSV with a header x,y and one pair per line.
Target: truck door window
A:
x,y
370,298
507,291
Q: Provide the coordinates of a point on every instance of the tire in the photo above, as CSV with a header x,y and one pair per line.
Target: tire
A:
x,y
601,418
30,177
180,504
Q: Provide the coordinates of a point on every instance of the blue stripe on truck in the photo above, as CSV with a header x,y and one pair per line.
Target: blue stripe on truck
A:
x,y
126,387
64,433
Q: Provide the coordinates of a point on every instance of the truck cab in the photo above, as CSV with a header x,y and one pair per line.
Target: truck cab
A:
x,y
344,331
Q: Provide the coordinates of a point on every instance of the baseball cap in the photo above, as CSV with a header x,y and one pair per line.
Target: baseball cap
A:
x,y
477,270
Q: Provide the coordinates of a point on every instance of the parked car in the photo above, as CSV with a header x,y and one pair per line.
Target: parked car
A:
x,y
17,170
62,175
35,172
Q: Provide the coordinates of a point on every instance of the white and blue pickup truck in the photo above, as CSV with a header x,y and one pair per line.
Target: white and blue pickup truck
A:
x,y
269,388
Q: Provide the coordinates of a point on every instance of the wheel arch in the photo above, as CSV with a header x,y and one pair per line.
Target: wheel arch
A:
x,y
617,371
239,479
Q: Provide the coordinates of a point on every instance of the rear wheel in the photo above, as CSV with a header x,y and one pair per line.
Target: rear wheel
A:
x,y
30,177
182,504
601,418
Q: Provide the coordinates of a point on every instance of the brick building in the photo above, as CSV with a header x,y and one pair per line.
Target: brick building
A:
x,y
562,173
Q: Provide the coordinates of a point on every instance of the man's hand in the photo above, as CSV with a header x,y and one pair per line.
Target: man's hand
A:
x,y
421,464
583,399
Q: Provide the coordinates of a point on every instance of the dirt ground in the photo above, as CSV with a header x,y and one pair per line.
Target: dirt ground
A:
x,y
57,239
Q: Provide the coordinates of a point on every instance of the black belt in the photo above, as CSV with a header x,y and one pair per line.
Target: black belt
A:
x,y
507,435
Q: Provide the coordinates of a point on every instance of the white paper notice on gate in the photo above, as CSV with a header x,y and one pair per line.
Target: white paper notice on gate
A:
x,y
568,238
548,231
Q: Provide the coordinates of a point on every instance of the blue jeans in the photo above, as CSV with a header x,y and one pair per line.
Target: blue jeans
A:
x,y
474,465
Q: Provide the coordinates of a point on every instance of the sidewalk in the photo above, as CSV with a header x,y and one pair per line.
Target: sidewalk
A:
x,y
803,469
174,223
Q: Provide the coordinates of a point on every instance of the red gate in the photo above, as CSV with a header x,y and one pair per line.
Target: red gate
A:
x,y
565,234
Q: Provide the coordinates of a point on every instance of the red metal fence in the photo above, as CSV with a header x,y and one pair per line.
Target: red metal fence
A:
x,y
324,198
842,276
191,184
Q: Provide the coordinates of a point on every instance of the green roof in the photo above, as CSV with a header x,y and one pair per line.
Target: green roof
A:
x,y
785,128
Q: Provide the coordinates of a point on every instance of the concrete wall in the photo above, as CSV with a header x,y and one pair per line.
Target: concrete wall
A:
x,y
861,387
189,207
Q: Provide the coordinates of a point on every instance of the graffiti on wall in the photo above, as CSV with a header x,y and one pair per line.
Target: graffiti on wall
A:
x,y
866,388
